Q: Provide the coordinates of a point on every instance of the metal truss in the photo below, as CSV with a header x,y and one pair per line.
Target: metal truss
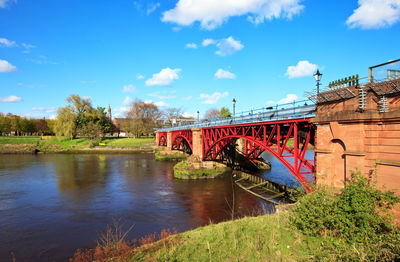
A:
x,y
273,137
180,139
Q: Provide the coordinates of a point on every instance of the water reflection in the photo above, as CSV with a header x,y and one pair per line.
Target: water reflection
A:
x,y
50,205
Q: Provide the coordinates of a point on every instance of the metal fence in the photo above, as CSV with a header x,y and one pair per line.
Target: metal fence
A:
x,y
294,110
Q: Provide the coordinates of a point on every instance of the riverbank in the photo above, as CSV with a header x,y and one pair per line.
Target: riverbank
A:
x,y
322,226
31,145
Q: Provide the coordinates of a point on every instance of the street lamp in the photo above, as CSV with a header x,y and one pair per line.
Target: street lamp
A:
x,y
233,103
198,117
318,77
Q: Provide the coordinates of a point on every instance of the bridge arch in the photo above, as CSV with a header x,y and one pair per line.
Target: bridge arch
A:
x,y
182,140
225,141
271,138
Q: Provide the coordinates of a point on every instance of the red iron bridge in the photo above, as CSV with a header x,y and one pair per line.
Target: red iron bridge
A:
x,y
284,130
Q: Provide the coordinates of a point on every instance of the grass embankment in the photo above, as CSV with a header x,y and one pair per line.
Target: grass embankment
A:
x,y
353,225
169,155
196,169
78,145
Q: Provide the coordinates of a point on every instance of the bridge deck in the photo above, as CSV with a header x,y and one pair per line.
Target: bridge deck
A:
x,y
296,110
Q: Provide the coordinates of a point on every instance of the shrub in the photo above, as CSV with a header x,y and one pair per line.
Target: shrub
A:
x,y
359,216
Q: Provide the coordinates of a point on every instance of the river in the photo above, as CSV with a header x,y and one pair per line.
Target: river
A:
x,y
51,205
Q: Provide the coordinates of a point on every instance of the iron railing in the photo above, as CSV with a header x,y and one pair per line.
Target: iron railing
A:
x,y
293,110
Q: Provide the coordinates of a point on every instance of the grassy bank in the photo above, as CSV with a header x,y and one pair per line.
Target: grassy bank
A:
x,y
167,155
353,225
189,169
78,145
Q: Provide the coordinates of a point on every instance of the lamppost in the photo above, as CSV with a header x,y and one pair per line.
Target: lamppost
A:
x,y
233,103
318,77
198,117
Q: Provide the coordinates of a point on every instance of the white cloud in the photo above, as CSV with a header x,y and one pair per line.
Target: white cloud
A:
x,y
128,89
27,47
127,101
3,3
123,109
212,99
187,115
374,14
222,74
152,7
45,110
6,43
303,68
160,103
288,99
10,99
139,76
211,13
191,45
187,98
208,41
6,67
164,78
227,46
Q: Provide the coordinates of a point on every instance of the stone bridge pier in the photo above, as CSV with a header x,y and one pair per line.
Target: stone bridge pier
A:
x,y
358,128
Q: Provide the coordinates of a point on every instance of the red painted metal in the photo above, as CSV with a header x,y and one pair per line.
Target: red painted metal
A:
x,y
162,138
270,136
179,136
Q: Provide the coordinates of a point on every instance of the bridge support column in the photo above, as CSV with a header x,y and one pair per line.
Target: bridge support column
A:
x,y
169,140
197,143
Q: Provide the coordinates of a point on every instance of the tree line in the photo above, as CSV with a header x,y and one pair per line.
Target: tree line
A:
x,y
20,126
80,118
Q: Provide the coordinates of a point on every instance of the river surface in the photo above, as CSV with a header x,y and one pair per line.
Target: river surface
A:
x,y
51,205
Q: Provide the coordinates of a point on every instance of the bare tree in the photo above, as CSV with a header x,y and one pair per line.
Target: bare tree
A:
x,y
212,114
172,115
143,118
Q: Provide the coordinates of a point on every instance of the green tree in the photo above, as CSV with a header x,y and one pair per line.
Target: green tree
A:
x,y
224,112
81,118
15,123
103,121
5,124
42,127
66,123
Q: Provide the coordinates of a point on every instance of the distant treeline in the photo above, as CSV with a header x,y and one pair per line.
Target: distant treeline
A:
x,y
21,126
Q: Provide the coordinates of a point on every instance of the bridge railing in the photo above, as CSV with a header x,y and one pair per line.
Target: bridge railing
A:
x,y
293,110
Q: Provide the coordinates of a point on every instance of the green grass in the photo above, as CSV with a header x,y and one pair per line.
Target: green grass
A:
x,y
129,142
183,170
263,238
63,144
19,140
170,155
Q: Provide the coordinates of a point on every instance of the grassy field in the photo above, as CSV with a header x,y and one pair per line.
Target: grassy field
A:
x,y
129,142
56,144
17,140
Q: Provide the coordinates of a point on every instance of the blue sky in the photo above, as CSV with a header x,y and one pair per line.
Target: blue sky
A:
x,y
195,55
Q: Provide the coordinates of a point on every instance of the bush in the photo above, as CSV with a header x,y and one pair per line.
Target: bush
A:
x,y
360,215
